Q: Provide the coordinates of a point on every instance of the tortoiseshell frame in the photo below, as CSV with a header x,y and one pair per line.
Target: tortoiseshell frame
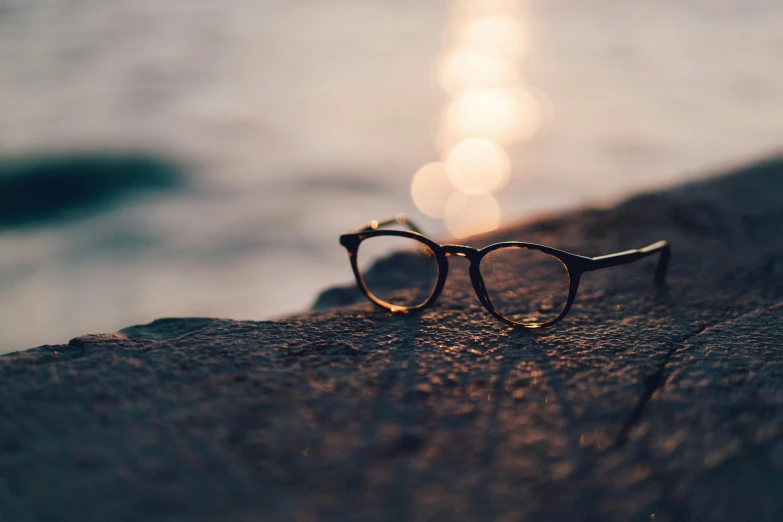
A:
x,y
575,265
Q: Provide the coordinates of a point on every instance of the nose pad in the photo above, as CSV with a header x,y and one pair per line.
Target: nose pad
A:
x,y
462,257
478,284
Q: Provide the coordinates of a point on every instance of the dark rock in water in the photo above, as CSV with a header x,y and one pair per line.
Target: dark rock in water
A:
x,y
48,189
338,296
643,404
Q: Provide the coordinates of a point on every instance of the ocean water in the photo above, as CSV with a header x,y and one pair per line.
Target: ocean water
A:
x,y
284,124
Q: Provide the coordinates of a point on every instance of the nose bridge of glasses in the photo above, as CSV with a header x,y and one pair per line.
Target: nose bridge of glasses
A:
x,y
460,251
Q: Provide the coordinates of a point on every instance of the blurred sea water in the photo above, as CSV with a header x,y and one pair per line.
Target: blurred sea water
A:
x,y
296,121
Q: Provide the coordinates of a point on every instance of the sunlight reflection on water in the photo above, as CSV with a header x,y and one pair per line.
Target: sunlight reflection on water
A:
x,y
488,111
478,166
431,188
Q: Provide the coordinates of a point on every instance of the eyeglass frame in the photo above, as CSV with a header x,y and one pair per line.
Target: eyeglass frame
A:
x,y
575,265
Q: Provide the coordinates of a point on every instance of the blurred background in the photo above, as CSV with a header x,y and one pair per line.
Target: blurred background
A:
x,y
200,158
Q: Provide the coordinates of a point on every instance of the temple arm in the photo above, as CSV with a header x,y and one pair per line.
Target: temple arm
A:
x,y
629,256
399,219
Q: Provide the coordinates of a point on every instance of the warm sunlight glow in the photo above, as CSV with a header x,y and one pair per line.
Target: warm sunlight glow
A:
x,y
478,166
431,188
501,115
480,8
470,215
466,68
489,110
496,35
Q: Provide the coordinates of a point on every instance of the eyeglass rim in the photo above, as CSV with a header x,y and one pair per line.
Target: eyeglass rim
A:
x,y
575,265
439,283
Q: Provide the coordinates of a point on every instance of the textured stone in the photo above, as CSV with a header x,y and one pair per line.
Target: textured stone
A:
x,y
643,404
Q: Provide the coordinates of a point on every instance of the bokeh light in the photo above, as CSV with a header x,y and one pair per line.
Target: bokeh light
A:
x,y
479,8
501,115
497,35
470,215
478,166
488,110
466,68
431,188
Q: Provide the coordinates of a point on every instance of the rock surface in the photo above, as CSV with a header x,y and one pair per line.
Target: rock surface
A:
x,y
643,404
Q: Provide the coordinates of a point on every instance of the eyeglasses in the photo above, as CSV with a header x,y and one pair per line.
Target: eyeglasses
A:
x,y
522,284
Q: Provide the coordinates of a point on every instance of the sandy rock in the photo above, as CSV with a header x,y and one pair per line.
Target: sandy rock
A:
x,y
643,404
